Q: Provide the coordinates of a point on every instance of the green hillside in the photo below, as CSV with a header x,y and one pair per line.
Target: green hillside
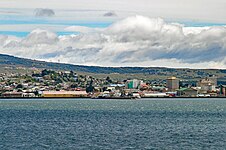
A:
x,y
115,72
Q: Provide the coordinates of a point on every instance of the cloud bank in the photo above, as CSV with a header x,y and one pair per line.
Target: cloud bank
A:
x,y
200,10
134,41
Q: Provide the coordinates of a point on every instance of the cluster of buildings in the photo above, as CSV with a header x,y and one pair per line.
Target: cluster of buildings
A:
x,y
206,87
43,84
52,84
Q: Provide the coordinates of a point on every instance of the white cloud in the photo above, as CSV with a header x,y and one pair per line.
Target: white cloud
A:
x,y
40,36
134,41
81,29
3,38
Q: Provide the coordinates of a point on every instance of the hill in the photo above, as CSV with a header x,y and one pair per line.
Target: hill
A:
x,y
139,72
7,60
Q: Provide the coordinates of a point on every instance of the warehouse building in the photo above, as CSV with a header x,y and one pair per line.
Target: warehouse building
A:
x,y
77,94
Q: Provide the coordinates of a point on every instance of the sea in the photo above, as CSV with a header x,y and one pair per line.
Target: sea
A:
x,y
86,124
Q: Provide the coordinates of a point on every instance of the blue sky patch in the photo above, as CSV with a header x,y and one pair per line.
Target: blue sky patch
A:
x,y
24,34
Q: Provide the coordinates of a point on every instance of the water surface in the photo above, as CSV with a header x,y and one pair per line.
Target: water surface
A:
x,y
113,124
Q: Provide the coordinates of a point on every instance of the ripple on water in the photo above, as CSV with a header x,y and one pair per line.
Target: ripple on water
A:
x,y
116,124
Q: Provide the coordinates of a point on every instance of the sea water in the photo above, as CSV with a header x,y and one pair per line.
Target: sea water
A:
x,y
113,124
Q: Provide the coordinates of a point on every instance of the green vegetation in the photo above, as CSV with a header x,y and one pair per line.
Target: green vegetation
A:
x,y
10,64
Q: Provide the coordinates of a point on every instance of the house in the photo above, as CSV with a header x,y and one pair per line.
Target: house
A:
x,y
12,94
28,95
187,92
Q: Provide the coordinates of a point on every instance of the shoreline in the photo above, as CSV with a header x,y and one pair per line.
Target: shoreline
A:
x,y
1,98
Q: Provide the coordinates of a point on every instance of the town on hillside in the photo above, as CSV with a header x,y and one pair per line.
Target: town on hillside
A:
x,y
68,84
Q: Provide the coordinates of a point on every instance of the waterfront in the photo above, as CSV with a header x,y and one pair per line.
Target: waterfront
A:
x,y
113,124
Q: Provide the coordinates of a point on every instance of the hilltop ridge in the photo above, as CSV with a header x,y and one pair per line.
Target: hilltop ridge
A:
x,y
183,73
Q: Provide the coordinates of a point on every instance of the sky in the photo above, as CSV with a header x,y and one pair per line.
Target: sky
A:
x,y
163,33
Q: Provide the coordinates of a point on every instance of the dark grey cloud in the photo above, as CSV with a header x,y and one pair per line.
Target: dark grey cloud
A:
x,y
110,14
44,12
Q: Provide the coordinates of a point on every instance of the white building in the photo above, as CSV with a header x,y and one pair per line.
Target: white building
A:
x,y
207,84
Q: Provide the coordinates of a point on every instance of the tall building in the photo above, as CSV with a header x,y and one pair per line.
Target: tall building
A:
x,y
133,84
172,84
222,90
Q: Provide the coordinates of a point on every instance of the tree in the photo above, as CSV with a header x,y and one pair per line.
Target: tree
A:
x,y
109,79
74,86
90,88
71,74
19,86
36,93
